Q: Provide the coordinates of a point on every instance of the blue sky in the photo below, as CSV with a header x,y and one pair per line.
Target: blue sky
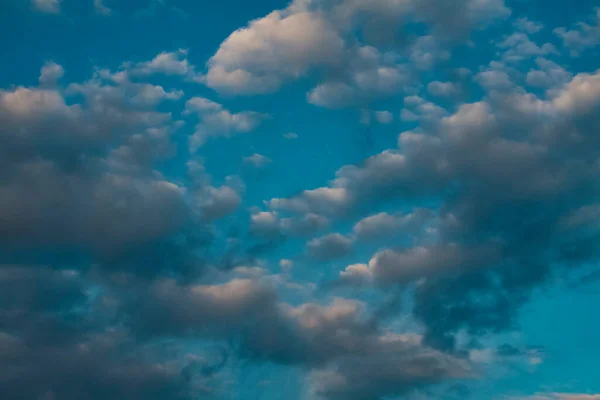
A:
x,y
322,199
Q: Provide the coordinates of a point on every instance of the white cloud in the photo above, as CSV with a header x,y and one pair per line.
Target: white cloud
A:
x,y
268,223
167,63
384,117
407,265
384,224
495,78
519,47
548,75
286,265
51,73
101,8
580,95
581,37
427,51
314,34
442,89
528,26
149,95
47,6
216,121
558,396
424,111
217,202
322,200
257,160
332,95
271,50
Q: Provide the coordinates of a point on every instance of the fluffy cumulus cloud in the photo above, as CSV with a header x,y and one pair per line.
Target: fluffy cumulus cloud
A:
x,y
283,45
329,247
271,224
257,160
318,36
442,89
167,63
384,224
584,36
217,121
51,73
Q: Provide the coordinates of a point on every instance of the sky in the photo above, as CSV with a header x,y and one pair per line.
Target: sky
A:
x,y
313,200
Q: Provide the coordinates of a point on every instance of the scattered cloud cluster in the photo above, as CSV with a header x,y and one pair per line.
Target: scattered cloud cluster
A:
x,y
309,36
129,270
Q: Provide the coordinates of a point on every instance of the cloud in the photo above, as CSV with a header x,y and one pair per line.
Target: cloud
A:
x,y
257,160
494,78
559,396
51,73
288,44
384,224
384,117
332,95
167,63
518,47
390,267
47,6
270,224
318,201
101,8
442,89
329,247
548,75
280,46
370,74
528,26
417,109
581,37
216,121
290,135
217,202
428,51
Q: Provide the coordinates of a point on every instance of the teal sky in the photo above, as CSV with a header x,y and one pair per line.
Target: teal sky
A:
x,y
315,200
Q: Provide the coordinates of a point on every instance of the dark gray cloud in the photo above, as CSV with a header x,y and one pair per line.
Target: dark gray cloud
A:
x,y
349,355
81,173
85,368
52,346
394,365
